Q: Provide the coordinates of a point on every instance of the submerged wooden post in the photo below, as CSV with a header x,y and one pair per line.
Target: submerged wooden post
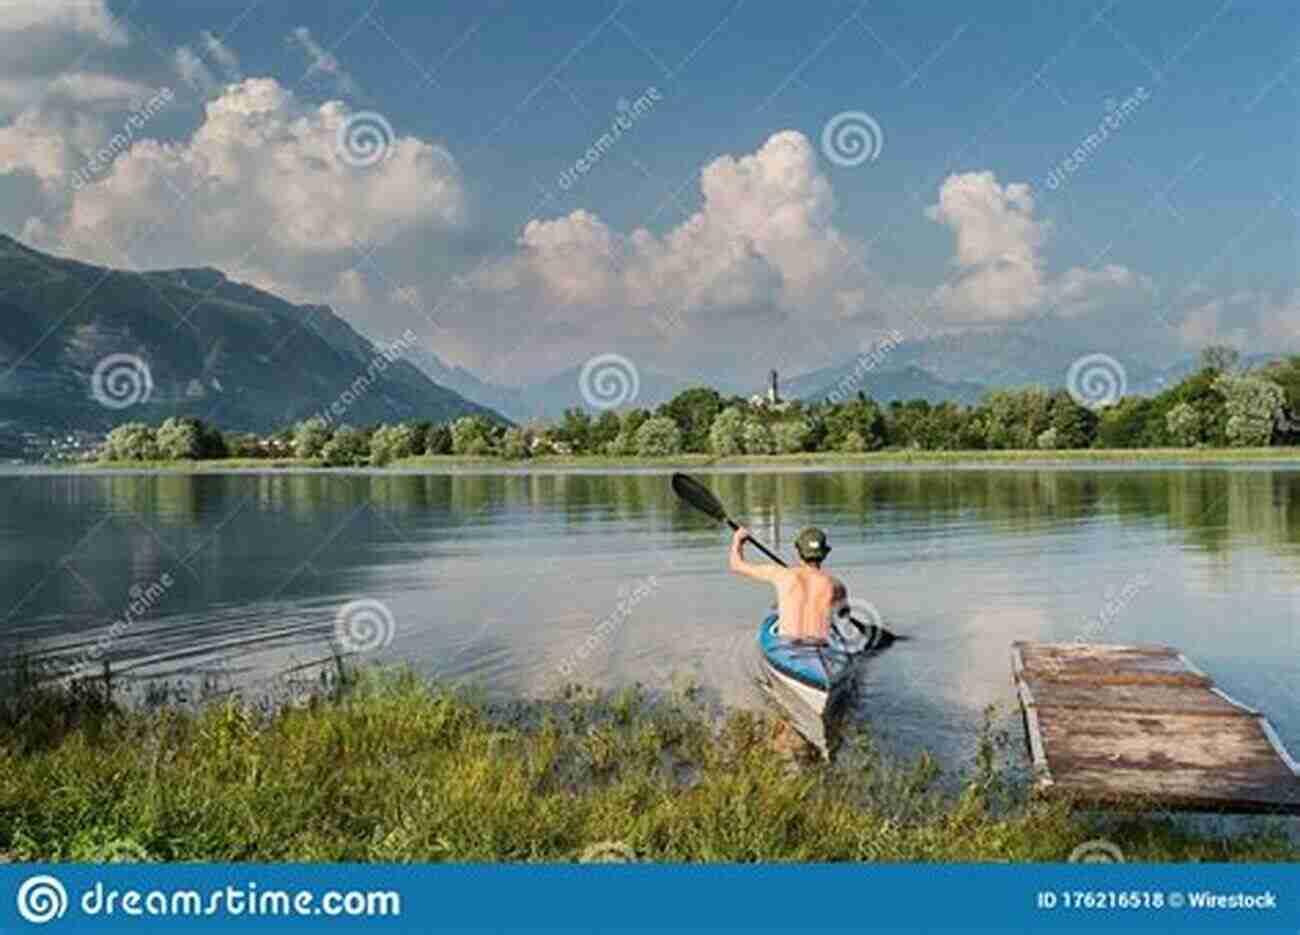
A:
x,y
1142,726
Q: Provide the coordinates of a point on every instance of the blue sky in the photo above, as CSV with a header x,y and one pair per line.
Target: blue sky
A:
x,y
1177,230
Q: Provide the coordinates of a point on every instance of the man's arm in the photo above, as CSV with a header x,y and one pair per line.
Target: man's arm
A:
x,y
764,572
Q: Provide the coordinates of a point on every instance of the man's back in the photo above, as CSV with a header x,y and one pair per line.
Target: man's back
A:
x,y
807,597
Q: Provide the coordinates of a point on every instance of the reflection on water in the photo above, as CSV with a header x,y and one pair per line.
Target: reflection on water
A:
x,y
513,580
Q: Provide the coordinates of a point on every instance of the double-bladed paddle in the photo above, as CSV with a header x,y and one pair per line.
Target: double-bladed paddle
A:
x,y
700,497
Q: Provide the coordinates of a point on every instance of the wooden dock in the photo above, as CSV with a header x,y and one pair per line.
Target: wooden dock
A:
x,y
1140,726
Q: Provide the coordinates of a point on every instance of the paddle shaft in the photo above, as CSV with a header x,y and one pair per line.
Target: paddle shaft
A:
x,y
758,545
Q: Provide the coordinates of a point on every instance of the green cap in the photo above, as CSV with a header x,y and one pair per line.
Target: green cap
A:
x,y
811,544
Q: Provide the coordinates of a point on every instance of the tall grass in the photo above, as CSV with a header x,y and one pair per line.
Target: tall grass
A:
x,y
386,767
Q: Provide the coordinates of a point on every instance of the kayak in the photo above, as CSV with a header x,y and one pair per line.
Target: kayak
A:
x,y
808,678
816,673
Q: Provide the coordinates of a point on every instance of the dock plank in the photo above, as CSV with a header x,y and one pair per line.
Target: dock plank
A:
x,y
1132,696
1141,726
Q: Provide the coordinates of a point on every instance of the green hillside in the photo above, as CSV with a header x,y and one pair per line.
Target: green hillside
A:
x,y
214,349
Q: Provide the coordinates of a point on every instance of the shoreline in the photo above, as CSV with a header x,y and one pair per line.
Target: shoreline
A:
x,y
451,464
382,765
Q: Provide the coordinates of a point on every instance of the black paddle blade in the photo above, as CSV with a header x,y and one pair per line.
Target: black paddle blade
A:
x,y
698,496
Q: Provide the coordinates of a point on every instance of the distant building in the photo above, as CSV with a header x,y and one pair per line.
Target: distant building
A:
x,y
772,399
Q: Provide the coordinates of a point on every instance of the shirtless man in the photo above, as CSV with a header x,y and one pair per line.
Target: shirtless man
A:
x,y
806,595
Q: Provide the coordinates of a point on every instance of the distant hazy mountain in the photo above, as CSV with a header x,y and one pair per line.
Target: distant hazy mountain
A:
x,y
547,399
962,367
211,348
1007,357
881,384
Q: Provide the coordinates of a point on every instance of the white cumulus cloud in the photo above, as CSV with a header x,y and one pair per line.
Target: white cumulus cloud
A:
x,y
761,262
1000,271
260,183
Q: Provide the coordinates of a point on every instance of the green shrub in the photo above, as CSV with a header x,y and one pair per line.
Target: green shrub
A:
x,y
1254,407
178,440
1183,423
757,438
790,436
133,441
348,447
438,440
853,443
515,444
309,438
726,434
391,443
470,435
658,437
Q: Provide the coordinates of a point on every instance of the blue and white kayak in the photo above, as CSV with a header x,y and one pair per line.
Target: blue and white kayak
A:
x,y
815,673
809,678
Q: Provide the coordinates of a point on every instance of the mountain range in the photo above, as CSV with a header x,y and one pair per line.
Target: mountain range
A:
x,y
958,367
84,348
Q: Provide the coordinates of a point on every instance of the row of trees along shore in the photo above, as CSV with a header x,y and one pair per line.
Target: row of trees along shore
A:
x,y
1219,406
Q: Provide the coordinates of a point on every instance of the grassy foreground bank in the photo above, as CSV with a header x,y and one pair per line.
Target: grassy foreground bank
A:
x,y
829,459
385,767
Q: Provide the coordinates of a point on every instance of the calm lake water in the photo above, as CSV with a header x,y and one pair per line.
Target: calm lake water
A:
x,y
510,580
